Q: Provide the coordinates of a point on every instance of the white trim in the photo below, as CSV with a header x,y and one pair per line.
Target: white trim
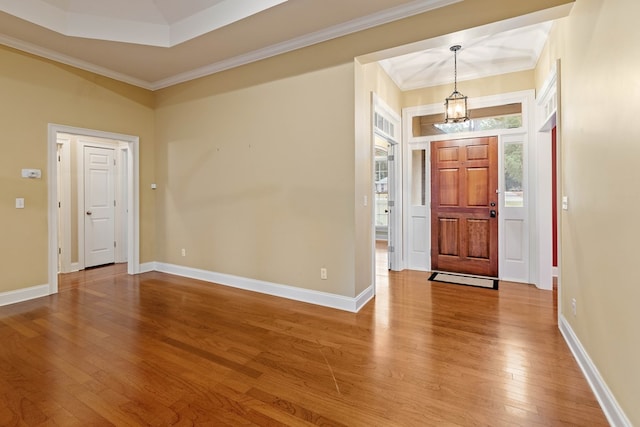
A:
x,y
360,24
72,61
612,410
546,118
275,289
370,21
25,294
148,267
395,236
64,197
364,297
122,157
133,217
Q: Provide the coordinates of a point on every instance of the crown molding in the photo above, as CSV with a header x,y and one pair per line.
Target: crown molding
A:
x,y
152,30
72,61
349,27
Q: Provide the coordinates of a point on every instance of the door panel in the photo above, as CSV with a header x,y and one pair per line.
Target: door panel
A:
x,y
477,186
449,230
464,180
99,212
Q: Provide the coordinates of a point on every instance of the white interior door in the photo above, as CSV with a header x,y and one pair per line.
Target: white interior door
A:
x,y
99,206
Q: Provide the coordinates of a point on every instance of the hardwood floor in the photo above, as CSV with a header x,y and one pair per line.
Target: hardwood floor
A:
x,y
155,349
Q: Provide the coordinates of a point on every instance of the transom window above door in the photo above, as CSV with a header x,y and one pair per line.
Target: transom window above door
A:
x,y
508,116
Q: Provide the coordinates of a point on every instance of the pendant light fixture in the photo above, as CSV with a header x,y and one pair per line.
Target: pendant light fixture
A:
x,y
455,106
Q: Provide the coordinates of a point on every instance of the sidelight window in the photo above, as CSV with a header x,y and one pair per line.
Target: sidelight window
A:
x,y
513,175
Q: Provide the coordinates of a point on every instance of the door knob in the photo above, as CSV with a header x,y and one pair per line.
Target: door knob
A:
x,y
88,212
492,213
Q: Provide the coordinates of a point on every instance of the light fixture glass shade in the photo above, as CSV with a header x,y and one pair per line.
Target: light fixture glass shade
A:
x,y
455,107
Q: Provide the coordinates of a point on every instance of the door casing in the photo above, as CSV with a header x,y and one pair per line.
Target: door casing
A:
x,y
133,196
417,217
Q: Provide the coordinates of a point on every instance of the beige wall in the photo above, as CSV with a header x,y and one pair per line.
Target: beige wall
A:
x,y
600,143
35,92
258,182
505,83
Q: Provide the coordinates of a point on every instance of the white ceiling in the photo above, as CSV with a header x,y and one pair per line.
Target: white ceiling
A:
x,y
158,43
487,55
163,23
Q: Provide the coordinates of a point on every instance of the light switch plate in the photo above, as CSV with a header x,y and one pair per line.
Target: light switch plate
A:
x,y
32,173
19,203
565,203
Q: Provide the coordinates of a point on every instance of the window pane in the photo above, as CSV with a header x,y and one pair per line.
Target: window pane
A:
x,y
513,161
508,116
419,169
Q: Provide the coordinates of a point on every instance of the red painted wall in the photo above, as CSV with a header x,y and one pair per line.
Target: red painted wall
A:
x,y
554,195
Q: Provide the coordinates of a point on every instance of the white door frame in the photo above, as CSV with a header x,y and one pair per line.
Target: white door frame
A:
x,y
133,196
63,176
122,181
395,174
411,143
547,118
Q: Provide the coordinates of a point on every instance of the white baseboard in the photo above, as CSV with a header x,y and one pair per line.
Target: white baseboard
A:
x,y
147,267
25,294
615,415
364,297
284,291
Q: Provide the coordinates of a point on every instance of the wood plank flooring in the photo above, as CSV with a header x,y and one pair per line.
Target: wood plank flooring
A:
x,y
155,349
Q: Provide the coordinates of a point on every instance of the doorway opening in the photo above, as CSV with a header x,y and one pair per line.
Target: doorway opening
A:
x,y
509,118
386,189
381,181
112,236
92,201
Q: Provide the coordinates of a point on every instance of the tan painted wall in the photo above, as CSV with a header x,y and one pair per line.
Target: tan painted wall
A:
x,y
35,92
600,143
258,181
505,83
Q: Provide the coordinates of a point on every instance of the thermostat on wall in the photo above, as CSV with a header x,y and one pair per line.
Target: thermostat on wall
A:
x,y
31,173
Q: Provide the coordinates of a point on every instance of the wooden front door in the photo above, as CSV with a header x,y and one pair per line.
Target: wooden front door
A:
x,y
464,206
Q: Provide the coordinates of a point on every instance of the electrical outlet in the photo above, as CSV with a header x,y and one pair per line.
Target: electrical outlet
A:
x,y
323,273
184,252
573,306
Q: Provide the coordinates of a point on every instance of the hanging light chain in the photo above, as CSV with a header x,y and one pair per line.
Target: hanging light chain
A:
x,y
455,50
